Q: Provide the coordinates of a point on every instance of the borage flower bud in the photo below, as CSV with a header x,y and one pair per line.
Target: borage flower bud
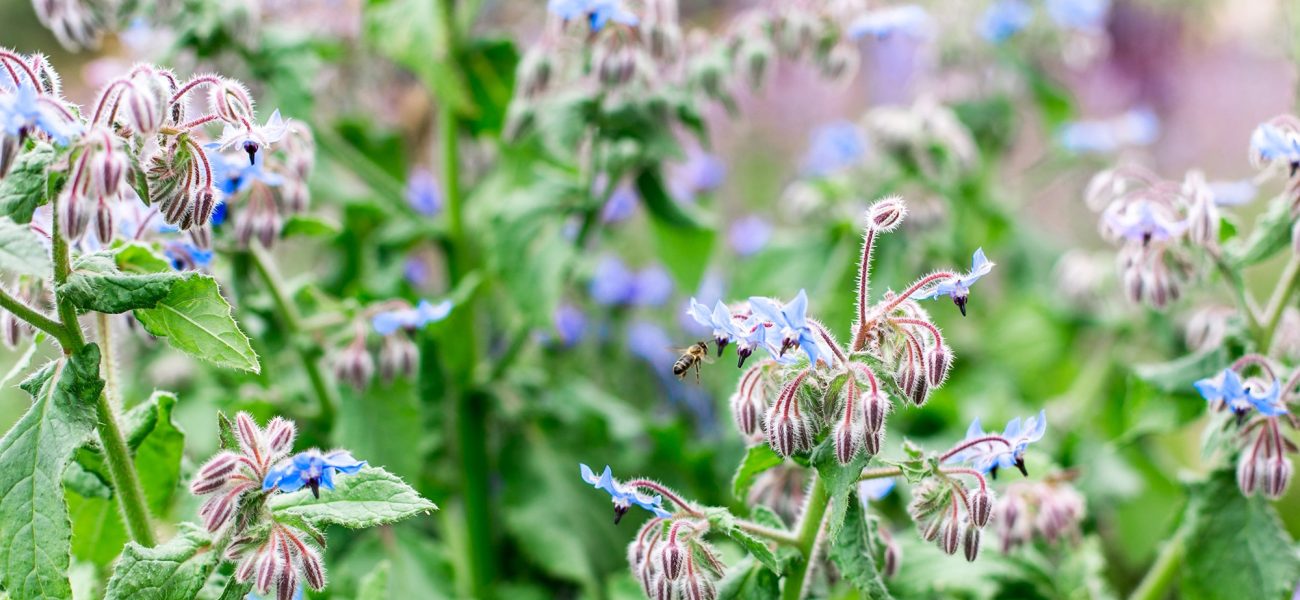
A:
x,y
108,169
848,436
296,195
230,100
875,409
103,222
663,588
1247,474
937,363
1278,476
672,557
747,408
887,213
950,535
872,440
893,554
787,430
205,201
912,380
354,365
932,529
398,357
970,542
13,329
72,217
981,506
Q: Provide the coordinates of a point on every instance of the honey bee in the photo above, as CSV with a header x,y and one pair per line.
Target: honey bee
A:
x,y
694,356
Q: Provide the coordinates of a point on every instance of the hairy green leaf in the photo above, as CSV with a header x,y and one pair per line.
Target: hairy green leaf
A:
x,y
309,226
368,498
196,319
1271,233
759,458
21,252
374,586
35,533
839,480
176,570
1236,546
118,293
853,552
748,580
724,522
23,189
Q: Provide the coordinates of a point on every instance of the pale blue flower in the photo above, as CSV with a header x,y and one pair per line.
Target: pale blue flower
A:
x,y
424,313
1225,389
988,457
1004,19
1270,142
701,172
1083,15
598,13
623,497
1137,127
958,288
232,174
1143,221
612,283
253,138
835,146
422,192
620,206
185,256
905,19
791,326
26,110
652,286
650,343
747,235
311,469
569,323
718,320
1269,402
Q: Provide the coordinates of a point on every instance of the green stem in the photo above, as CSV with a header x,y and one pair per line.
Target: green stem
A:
x,y
126,483
1244,302
776,535
104,327
308,350
471,405
1278,301
809,527
1155,584
36,319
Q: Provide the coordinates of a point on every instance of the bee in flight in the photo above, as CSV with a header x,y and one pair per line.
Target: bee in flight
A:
x,y
694,356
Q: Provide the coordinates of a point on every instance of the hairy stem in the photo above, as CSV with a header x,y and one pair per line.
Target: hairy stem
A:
x,y
810,525
37,319
126,483
105,333
308,350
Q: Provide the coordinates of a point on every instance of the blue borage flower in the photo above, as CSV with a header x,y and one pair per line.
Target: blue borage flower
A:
x,y
958,288
623,497
1229,390
422,192
252,138
906,19
1269,401
1143,221
747,235
1269,143
791,324
719,320
613,284
1004,19
570,324
387,322
620,206
835,146
1082,15
988,457
26,110
185,256
231,174
598,13
311,469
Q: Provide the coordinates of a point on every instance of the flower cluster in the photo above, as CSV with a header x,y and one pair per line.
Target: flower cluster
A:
x,y
1158,225
274,555
1051,509
395,321
947,513
139,154
1259,406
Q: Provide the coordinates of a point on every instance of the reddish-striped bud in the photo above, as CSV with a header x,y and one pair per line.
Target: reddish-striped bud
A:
x,y
1278,476
950,536
747,411
937,363
847,437
875,409
970,542
872,440
103,222
672,559
887,213
1247,475
981,506
398,357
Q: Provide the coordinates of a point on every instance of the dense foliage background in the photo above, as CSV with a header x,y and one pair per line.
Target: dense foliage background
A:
x,y
570,221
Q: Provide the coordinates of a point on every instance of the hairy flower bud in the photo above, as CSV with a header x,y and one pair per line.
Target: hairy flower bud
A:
x,y
872,440
1247,475
672,559
932,529
893,554
747,408
950,536
887,213
103,222
205,201
354,366
912,380
296,196
970,542
230,100
1278,469
788,431
12,328
663,588
875,409
847,436
72,217
108,169
981,506
398,357
937,363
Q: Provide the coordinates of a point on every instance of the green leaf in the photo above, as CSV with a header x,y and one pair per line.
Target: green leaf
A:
x,y
748,580
839,480
407,32
135,257
35,533
196,319
380,425
21,252
758,458
309,226
368,498
853,552
662,206
118,293
176,570
374,586
1236,546
1271,233
1178,375
23,189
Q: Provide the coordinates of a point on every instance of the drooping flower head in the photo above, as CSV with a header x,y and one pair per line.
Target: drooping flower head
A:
x,y
989,456
26,111
1276,140
1225,390
251,138
958,288
231,474
426,312
719,320
311,469
790,322
622,496
1143,221
1269,401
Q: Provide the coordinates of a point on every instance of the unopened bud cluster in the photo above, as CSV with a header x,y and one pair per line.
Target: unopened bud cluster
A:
x,y
398,357
1050,509
950,515
1255,408
672,561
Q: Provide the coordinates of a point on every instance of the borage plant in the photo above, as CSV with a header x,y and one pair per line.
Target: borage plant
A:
x,y
107,217
821,407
